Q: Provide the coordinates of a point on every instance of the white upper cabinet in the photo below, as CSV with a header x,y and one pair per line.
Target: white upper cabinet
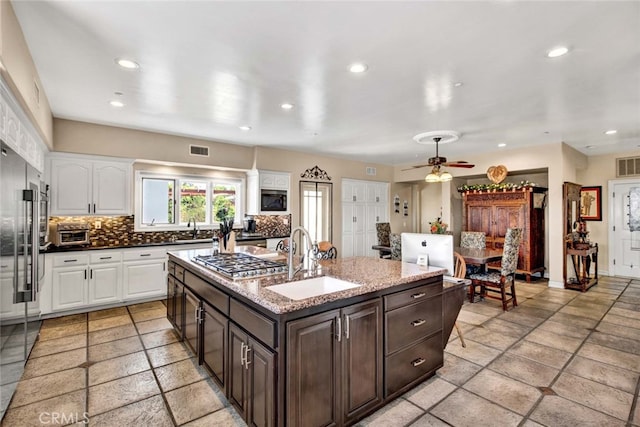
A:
x,y
82,186
274,180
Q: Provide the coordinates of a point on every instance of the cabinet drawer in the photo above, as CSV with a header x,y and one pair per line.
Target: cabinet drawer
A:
x,y
179,273
212,295
409,365
408,324
171,268
102,257
411,296
71,259
141,254
253,322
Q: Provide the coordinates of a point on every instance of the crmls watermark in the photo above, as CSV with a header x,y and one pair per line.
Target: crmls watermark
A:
x,y
61,418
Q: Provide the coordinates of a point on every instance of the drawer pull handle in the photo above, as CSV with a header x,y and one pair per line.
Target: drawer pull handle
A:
x,y
105,257
418,322
242,354
70,260
145,254
419,361
418,295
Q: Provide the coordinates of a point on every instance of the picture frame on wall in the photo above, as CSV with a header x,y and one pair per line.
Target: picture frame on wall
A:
x,y
591,203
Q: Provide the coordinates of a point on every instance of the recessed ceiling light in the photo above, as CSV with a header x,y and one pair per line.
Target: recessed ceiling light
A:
x,y
557,51
245,128
611,132
358,67
286,106
457,84
117,104
502,144
127,63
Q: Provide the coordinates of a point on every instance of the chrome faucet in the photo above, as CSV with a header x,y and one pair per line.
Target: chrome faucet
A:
x,y
195,228
293,270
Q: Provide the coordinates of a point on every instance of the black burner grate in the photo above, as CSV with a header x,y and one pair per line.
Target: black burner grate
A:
x,y
240,266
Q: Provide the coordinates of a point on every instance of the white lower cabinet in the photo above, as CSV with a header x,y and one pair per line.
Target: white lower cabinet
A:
x,y
69,287
83,279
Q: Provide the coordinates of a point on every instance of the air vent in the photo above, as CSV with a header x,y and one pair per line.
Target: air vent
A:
x,y
628,166
198,150
371,171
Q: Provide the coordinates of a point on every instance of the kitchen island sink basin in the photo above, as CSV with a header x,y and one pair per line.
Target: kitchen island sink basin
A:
x,y
308,288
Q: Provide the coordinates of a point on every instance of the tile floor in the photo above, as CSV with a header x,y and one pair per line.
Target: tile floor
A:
x,y
562,358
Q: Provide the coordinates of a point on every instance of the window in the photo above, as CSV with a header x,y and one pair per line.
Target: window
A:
x,y
172,202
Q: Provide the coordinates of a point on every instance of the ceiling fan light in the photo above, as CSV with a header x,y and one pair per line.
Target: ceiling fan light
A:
x,y
432,177
445,176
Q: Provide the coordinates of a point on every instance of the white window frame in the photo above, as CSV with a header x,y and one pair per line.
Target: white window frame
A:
x,y
180,225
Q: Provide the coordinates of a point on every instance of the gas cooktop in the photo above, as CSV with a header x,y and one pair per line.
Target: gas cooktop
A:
x,y
240,266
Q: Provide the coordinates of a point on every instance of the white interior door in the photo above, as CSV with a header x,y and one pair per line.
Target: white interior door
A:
x,y
624,237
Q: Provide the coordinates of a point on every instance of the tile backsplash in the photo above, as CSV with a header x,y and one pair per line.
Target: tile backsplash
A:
x,y
117,231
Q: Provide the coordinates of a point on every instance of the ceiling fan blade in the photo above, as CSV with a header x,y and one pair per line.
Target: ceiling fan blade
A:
x,y
459,164
416,167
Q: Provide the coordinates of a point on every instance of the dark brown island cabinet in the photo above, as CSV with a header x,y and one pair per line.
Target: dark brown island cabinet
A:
x,y
325,365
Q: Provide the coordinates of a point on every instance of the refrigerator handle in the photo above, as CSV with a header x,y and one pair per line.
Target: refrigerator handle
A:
x,y
31,246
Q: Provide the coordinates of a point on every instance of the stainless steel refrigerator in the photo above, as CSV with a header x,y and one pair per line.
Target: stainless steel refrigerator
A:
x,y
23,231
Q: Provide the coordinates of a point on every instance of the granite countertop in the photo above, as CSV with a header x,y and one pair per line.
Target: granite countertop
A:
x,y
53,248
373,274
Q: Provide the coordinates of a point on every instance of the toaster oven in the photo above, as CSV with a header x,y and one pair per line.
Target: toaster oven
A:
x,y
69,233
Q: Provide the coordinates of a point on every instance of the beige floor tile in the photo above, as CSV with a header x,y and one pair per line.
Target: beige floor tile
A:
x,y
545,305
113,349
618,330
475,352
180,374
575,321
525,370
559,412
521,318
429,393
146,306
109,322
509,393
603,373
591,394
70,405
541,354
153,325
399,412
619,343
610,356
154,313
457,370
564,329
118,367
109,312
481,308
428,420
171,353
59,345
550,339
63,320
115,394
507,328
63,331
54,363
48,386
148,412
225,417
472,318
490,338
159,338
193,401
462,408
112,334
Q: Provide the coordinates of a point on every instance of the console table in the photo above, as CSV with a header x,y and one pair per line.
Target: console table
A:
x,y
582,260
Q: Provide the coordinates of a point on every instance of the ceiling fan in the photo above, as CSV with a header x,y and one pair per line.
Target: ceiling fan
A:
x,y
437,162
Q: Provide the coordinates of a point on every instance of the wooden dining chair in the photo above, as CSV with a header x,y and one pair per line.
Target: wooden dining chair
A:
x,y
325,250
502,285
460,271
473,240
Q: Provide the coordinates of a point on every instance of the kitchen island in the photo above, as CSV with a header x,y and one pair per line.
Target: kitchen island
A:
x,y
329,359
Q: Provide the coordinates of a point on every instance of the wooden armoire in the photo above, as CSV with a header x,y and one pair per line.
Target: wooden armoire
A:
x,y
494,211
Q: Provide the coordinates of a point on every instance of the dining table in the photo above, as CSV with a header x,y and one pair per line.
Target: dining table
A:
x,y
479,257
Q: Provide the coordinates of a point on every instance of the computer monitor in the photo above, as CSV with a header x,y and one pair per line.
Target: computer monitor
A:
x,y
438,248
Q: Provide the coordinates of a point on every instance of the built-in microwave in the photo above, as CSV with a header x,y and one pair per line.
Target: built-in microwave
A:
x,y
273,200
